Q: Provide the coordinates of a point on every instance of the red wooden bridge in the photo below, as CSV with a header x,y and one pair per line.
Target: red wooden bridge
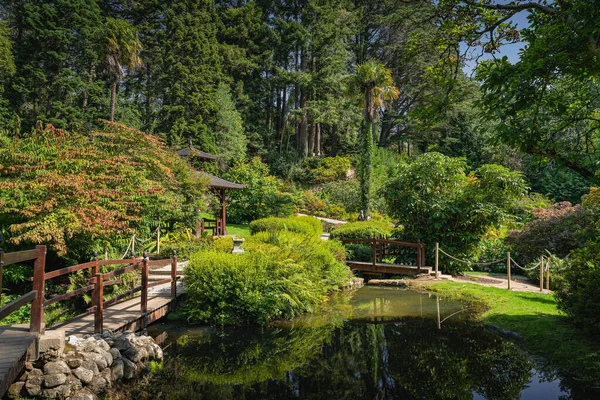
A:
x,y
132,310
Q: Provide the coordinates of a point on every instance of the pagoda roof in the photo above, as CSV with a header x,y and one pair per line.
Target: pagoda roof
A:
x,y
192,151
219,183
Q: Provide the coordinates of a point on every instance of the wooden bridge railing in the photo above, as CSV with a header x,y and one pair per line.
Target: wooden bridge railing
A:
x,y
36,295
381,248
213,225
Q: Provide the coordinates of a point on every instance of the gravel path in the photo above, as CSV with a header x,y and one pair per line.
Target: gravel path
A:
x,y
518,283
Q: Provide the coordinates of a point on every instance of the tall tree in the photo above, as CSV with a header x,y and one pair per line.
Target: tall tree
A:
x,y
122,48
374,84
7,69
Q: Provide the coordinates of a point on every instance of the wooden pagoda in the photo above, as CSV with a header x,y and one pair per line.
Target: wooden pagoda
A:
x,y
218,186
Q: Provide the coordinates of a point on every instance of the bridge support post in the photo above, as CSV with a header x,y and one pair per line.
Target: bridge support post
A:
x,y
39,283
541,273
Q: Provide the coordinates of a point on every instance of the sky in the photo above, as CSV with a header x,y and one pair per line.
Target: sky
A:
x,y
509,50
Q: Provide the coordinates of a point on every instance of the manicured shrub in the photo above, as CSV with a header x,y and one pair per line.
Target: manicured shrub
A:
x,y
557,229
362,230
280,275
327,169
579,296
309,226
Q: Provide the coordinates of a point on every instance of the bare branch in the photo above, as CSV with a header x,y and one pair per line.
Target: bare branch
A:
x,y
515,7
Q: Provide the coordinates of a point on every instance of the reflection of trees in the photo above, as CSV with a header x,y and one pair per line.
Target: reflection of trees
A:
x,y
410,359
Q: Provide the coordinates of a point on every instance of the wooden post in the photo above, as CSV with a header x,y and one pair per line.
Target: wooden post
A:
x,y
158,240
508,268
174,275
106,252
541,273
1,272
144,297
223,213
39,284
437,259
199,223
374,256
95,266
98,302
133,246
419,249
548,275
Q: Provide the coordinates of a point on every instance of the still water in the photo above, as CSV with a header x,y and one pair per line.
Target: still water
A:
x,y
374,343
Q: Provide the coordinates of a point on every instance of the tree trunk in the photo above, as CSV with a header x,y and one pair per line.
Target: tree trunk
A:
x,y
303,129
364,166
113,100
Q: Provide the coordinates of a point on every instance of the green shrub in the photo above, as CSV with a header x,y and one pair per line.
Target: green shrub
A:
x,y
557,268
579,296
264,194
280,275
327,169
344,193
362,230
309,226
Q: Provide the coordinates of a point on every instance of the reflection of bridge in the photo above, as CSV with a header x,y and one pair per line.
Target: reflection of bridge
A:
x,y
134,309
384,248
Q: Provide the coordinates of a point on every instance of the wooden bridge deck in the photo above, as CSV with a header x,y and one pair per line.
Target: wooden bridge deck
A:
x,y
16,345
383,268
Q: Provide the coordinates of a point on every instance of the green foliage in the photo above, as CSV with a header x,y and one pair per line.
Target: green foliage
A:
x,y
435,200
229,132
308,226
66,188
262,195
362,230
280,275
579,296
557,229
344,194
327,169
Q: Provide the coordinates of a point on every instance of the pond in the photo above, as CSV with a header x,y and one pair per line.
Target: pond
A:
x,y
374,343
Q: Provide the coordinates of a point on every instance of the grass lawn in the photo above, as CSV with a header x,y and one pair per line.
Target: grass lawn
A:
x,y
545,330
238,230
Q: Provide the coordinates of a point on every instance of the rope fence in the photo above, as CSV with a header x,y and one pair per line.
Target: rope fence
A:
x,y
543,265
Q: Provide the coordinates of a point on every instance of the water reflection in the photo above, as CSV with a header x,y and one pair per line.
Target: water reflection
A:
x,y
377,344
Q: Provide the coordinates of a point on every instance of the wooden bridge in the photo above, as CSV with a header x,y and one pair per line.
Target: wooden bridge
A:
x,y
385,248
129,311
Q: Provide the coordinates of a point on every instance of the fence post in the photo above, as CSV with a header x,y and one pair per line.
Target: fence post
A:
x,y
548,275
98,301
106,252
144,297
174,275
133,246
541,273
508,268
158,240
39,284
374,255
437,259
95,266
1,272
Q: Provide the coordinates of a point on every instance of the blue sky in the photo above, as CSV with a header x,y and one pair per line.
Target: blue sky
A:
x,y
509,50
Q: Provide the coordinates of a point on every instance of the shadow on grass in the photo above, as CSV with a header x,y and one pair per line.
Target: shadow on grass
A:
x,y
548,299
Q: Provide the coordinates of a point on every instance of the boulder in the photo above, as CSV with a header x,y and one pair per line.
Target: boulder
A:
x,y
56,367
84,394
15,390
84,374
53,380
129,369
117,370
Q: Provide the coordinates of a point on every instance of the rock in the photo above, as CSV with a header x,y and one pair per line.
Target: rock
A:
x,y
36,380
107,356
91,365
84,374
15,390
122,344
107,375
97,358
84,394
97,385
117,370
57,392
115,353
72,340
34,387
159,353
35,372
73,383
56,367
101,344
53,380
134,354
74,363
129,369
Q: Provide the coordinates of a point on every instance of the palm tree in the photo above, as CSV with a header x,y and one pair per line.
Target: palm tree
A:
x,y
374,84
122,47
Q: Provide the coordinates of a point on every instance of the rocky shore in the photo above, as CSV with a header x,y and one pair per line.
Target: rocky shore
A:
x,y
87,367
